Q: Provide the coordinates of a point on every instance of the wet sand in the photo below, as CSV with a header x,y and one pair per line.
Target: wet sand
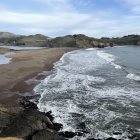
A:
x,y
25,65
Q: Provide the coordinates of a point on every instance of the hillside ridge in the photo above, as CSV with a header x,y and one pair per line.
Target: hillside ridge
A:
x,y
77,40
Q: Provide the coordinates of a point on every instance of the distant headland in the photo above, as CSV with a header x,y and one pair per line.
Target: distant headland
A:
x,y
77,40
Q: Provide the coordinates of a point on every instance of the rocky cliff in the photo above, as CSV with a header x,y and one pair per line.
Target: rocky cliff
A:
x,y
27,123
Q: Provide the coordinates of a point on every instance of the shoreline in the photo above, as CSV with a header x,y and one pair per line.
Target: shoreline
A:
x,y
26,65
33,123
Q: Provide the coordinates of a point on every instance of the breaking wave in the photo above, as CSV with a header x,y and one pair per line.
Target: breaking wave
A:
x,y
85,89
109,58
133,77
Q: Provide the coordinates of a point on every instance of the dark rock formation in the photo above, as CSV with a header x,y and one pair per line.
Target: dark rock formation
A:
x,y
27,122
27,104
67,134
18,122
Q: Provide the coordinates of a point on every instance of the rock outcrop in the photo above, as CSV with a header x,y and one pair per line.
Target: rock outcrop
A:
x,y
27,123
17,123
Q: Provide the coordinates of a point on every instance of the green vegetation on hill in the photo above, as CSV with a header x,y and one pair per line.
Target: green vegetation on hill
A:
x,y
31,40
126,40
6,35
77,40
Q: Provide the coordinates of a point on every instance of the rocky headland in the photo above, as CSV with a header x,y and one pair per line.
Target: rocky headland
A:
x,y
27,123
77,40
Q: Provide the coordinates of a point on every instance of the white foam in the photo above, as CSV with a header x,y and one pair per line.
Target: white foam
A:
x,y
82,62
73,88
109,58
32,81
133,76
68,78
4,59
91,49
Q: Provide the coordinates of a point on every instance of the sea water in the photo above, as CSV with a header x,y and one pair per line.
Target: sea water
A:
x,y
22,48
99,88
4,59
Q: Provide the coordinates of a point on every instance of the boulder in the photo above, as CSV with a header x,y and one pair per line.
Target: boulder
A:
x,y
18,122
8,115
27,123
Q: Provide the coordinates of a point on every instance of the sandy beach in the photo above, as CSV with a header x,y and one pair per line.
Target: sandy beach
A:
x,y
24,66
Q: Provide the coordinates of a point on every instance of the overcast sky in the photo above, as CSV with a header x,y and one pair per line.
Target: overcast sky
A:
x,y
96,18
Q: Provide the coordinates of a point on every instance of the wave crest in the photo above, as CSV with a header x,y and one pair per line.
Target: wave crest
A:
x,y
133,76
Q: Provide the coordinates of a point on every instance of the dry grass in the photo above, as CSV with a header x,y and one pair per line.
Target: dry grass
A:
x,y
11,138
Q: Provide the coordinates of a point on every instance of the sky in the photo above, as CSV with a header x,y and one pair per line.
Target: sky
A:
x,y
95,18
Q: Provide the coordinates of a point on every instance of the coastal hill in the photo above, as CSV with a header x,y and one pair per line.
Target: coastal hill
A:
x,y
6,35
125,40
77,40
9,39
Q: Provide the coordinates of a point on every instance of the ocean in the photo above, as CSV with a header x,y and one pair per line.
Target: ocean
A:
x,y
4,59
95,91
